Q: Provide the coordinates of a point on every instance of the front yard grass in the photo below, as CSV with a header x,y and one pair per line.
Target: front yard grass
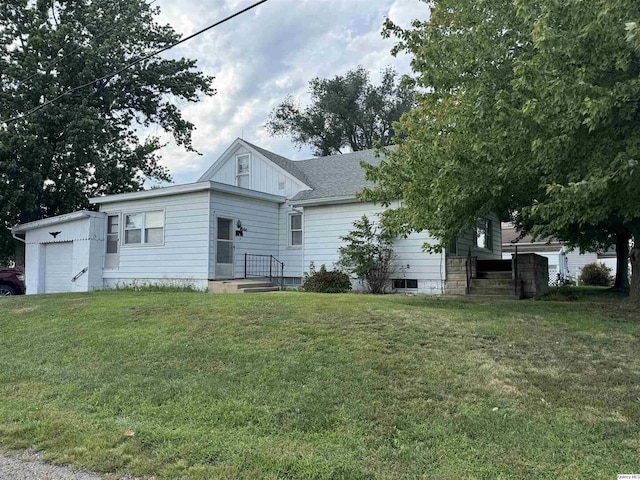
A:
x,y
299,385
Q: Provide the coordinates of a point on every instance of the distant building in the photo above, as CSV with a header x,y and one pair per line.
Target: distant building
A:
x,y
563,263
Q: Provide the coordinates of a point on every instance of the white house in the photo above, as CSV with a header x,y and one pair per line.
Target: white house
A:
x,y
252,213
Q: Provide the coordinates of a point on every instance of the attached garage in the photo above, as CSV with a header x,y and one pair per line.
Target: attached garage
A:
x,y
58,267
65,253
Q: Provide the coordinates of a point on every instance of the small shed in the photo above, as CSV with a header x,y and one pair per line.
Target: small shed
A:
x,y
64,253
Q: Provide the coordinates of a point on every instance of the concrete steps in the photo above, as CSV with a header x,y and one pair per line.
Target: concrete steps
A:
x,y
495,275
492,287
259,285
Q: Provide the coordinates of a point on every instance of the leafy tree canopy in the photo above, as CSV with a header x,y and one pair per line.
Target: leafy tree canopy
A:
x,y
346,112
87,143
533,109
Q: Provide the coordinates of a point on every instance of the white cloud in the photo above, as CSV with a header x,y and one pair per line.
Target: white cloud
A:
x,y
268,53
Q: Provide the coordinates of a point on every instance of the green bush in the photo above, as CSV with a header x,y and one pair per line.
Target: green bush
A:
x,y
368,255
324,281
595,274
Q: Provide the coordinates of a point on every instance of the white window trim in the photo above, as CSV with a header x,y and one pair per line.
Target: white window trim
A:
x,y
119,232
488,234
290,230
247,173
142,233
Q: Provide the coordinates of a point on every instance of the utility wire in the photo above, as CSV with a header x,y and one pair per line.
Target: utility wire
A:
x,y
97,37
131,64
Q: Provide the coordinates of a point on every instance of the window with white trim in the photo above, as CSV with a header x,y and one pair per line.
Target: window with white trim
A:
x,y
483,237
113,233
295,230
144,228
242,170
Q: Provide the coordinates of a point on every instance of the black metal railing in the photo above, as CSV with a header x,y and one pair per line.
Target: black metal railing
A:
x,y
264,266
469,271
80,273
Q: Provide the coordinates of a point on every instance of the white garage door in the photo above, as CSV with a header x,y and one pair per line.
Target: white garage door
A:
x,y
57,270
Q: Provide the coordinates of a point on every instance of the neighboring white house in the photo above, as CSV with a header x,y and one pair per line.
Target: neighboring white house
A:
x,y
562,262
251,212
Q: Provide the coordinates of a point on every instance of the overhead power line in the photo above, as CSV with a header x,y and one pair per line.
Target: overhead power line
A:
x,y
131,64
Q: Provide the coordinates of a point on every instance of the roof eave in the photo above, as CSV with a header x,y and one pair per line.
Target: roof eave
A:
x,y
325,201
155,192
186,188
45,222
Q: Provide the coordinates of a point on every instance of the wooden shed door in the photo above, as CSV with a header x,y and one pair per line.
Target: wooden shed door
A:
x,y
224,248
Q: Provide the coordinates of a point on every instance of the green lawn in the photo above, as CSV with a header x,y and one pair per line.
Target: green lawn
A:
x,y
310,386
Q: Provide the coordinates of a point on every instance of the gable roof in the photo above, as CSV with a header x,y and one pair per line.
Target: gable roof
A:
x,y
333,176
283,162
336,175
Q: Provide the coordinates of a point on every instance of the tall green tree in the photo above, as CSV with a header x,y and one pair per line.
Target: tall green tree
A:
x,y
460,150
87,143
346,112
532,108
582,86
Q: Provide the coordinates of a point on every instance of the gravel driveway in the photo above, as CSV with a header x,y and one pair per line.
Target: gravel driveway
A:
x,y
29,466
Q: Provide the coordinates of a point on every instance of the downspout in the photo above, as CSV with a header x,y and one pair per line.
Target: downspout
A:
x,y
18,238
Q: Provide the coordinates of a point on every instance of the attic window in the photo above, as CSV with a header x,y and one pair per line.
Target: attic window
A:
x,y
242,170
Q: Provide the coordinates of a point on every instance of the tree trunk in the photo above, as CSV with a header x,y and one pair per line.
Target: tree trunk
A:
x,y
622,261
634,291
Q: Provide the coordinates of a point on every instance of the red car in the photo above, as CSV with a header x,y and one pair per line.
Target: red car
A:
x,y
11,282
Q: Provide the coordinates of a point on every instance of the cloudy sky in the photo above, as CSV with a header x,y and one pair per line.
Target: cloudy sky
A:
x,y
268,53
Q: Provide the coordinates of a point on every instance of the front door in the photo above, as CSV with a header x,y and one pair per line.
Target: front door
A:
x,y
224,248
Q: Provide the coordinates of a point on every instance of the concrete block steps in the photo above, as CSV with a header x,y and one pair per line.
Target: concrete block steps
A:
x,y
495,275
242,286
492,287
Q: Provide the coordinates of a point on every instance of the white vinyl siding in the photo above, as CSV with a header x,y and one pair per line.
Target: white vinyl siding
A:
x,y
263,176
259,219
324,225
84,237
185,251
576,261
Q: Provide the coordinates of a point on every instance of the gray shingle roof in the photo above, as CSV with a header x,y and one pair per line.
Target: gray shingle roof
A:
x,y
283,162
329,177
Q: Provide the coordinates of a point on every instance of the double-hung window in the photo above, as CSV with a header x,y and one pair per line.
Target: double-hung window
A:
x,y
242,170
144,228
295,230
483,237
113,233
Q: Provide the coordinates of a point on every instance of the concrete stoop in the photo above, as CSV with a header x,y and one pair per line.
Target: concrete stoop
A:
x,y
242,286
